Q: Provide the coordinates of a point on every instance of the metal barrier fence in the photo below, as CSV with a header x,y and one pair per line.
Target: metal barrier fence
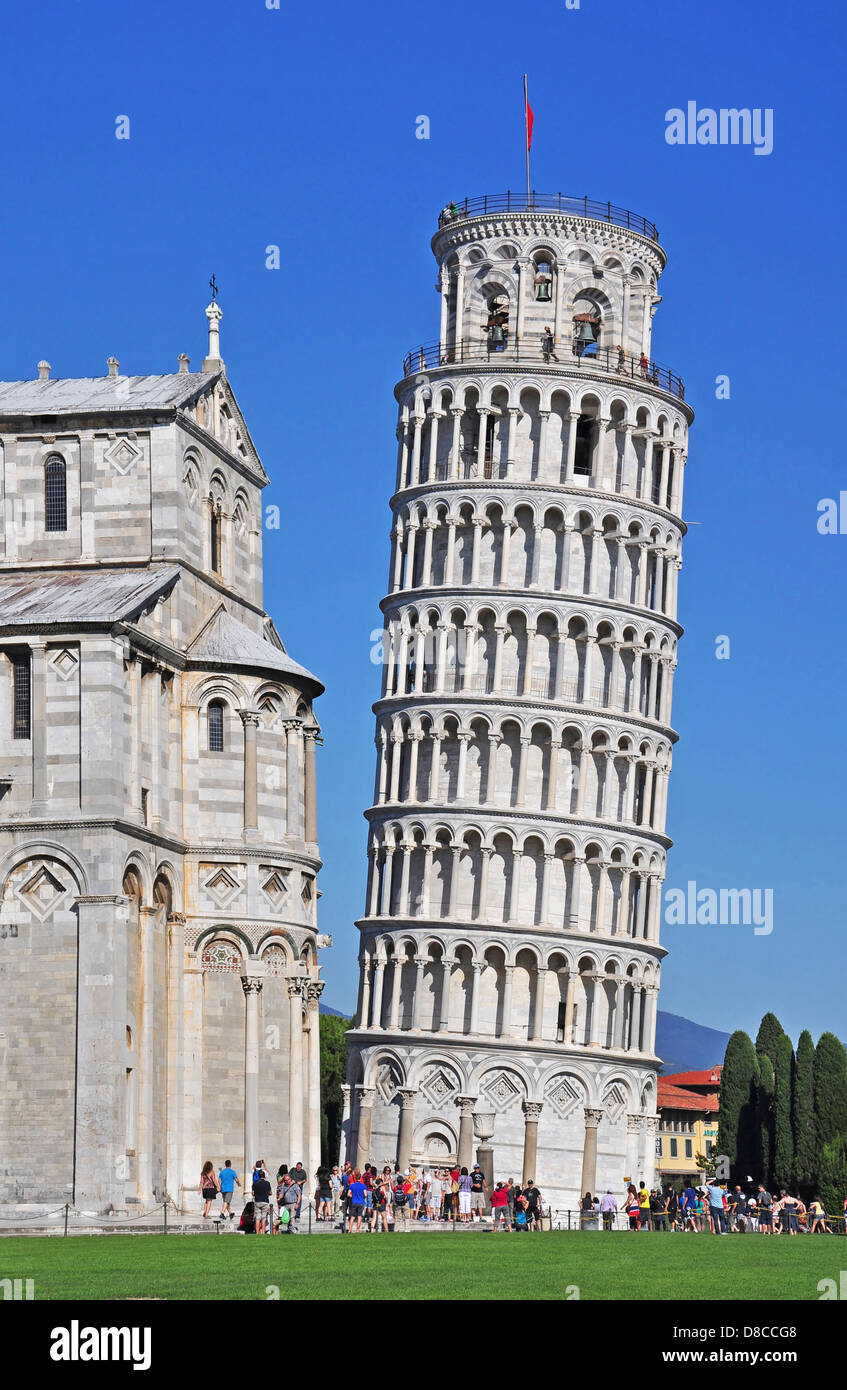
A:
x,y
606,360
547,202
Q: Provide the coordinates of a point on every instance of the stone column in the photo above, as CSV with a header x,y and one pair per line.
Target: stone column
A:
x,y
513,910
379,976
538,1011
542,442
314,990
487,852
252,986
363,1136
506,1025
545,889
477,971
416,455
396,981
522,771
292,778
421,963
344,1151
412,794
569,1005
552,777
295,1068
408,1097
514,416
623,904
532,1114
312,737
456,446
573,417
465,1155
403,905
39,726
508,527
250,720
588,1182
100,1122
634,1126
651,1129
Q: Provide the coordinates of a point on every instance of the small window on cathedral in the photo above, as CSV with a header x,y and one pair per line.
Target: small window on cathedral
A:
x,y
21,696
215,717
544,282
145,805
215,539
55,494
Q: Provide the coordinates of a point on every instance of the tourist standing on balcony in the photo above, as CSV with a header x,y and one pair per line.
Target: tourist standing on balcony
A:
x,y
547,345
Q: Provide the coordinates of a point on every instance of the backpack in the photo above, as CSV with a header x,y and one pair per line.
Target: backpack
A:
x,y
399,1195
520,1218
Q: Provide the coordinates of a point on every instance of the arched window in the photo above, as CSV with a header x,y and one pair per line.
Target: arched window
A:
x,y
55,494
21,695
215,537
215,718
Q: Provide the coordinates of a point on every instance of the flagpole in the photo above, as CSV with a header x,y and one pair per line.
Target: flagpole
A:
x,y
526,134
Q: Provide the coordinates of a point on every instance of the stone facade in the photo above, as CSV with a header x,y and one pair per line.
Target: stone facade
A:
x,y
159,976
510,952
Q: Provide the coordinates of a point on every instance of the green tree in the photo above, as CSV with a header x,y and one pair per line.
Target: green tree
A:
x,y
829,1084
765,1094
803,1114
738,1129
333,1072
783,1137
832,1177
770,1031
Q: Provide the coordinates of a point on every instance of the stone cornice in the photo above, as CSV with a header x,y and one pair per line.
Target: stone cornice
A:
x,y
208,851
454,811
549,222
526,492
462,597
490,1047
437,926
514,703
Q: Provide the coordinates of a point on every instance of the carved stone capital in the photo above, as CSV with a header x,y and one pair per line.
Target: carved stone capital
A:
x,y
532,1110
592,1117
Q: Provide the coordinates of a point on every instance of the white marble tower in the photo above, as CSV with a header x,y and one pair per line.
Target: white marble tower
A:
x,y
510,952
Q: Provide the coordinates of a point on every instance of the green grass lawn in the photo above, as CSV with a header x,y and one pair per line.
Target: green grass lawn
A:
x,y
603,1266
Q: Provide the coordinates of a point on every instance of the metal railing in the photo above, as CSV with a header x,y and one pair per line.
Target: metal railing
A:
x,y
547,202
606,360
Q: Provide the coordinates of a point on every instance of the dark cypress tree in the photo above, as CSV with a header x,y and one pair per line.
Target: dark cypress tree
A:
x,y
765,1117
832,1178
803,1114
829,1080
333,1055
738,1128
770,1031
783,1137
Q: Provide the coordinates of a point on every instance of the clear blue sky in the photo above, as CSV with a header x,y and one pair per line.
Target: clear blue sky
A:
x,y
251,127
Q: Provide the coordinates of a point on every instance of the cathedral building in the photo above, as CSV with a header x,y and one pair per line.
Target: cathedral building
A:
x,y
159,975
509,952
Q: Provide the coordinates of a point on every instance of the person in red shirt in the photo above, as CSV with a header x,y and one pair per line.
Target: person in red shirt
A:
x,y
500,1208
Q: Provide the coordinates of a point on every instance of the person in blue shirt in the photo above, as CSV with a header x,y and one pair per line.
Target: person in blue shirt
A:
x,y
229,1182
716,1207
356,1192
687,1207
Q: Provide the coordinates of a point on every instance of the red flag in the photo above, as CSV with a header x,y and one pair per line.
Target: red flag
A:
x,y
529,120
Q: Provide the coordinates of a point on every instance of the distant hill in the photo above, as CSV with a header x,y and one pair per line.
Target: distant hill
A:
x,y
686,1046
336,1013
682,1045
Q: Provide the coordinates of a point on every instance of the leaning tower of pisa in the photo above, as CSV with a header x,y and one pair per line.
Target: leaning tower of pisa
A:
x,y
510,954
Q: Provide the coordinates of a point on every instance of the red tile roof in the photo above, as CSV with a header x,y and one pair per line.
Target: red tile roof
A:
x,y
677,1098
711,1077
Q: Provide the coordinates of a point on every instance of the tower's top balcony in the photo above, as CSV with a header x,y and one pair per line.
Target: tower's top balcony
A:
x,y
509,202
503,354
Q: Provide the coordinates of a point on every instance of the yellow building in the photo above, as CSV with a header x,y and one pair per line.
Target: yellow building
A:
x,y
687,1125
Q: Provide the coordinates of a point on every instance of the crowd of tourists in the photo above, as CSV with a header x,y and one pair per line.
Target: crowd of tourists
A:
x,y
715,1207
374,1200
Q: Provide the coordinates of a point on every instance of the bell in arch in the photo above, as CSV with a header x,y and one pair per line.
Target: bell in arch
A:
x,y
584,334
495,337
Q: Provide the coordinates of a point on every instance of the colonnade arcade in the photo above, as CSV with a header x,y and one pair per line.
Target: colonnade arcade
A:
x,y
497,544
500,990
488,429
502,876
